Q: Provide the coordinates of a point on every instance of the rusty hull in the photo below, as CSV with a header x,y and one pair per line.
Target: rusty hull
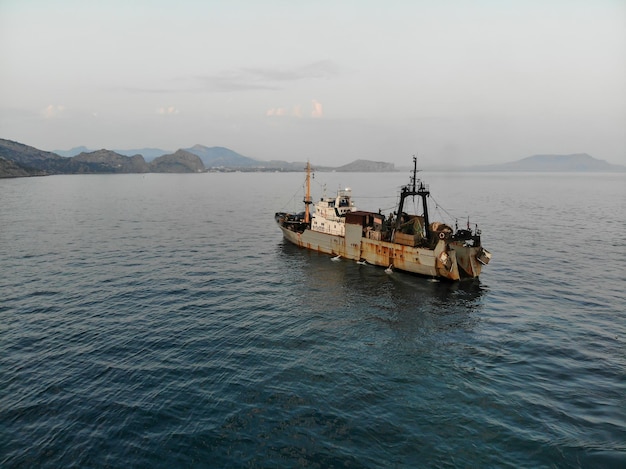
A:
x,y
451,260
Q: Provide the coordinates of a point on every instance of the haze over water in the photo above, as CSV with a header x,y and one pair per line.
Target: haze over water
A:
x,y
161,321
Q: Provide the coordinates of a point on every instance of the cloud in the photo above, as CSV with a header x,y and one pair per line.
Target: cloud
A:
x,y
167,111
52,111
295,111
277,112
320,69
250,78
317,111
243,79
236,80
142,90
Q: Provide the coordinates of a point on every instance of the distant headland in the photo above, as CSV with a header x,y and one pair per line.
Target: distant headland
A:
x,y
578,162
20,160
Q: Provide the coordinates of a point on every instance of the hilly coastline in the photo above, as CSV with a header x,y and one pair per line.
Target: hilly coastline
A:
x,y
19,160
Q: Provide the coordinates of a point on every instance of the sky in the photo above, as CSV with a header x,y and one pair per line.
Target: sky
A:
x,y
455,82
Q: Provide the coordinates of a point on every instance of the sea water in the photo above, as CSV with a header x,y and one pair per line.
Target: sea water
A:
x,y
161,321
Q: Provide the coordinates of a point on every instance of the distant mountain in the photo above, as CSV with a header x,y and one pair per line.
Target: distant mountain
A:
x,y
32,159
106,161
212,157
579,162
279,165
148,153
366,166
73,151
18,160
181,161
216,157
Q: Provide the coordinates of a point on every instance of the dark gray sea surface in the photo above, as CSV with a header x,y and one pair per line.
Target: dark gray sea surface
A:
x,y
161,321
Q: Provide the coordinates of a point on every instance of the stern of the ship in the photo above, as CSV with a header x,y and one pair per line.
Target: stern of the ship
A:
x,y
470,259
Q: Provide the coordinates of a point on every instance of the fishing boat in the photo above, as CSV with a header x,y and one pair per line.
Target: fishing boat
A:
x,y
398,242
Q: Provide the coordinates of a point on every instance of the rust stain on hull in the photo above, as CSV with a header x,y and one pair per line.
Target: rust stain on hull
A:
x,y
460,259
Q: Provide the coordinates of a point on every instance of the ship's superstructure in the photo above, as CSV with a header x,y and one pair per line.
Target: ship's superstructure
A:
x,y
406,242
330,213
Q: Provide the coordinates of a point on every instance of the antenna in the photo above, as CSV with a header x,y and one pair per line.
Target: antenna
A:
x,y
414,177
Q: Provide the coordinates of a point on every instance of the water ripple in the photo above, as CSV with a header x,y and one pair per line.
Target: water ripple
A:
x,y
168,332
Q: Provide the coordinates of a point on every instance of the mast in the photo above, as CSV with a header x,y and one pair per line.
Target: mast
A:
x,y
414,188
307,197
423,192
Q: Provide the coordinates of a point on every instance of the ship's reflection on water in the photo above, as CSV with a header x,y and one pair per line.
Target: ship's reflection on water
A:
x,y
402,300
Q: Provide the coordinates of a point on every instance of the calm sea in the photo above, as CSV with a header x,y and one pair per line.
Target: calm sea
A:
x,y
161,321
